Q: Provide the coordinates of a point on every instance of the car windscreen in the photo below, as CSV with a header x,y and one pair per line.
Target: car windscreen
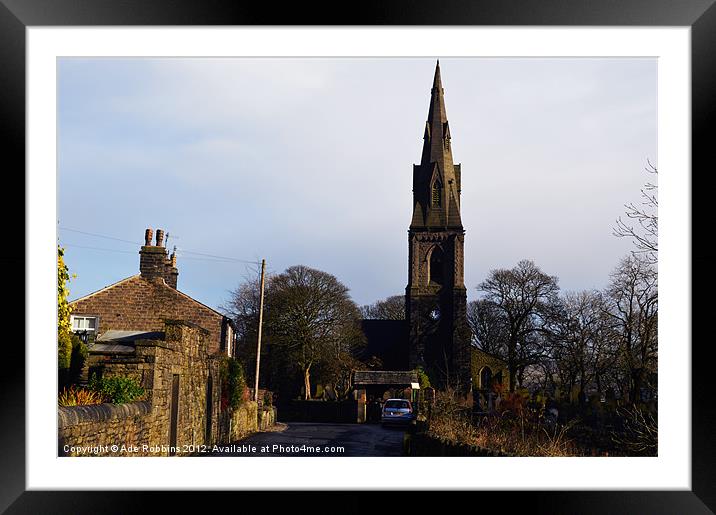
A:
x,y
396,404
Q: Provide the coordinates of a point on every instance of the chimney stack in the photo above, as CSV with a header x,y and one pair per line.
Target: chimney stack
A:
x,y
171,270
154,263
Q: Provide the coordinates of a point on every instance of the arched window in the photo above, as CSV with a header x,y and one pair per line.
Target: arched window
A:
x,y
437,194
436,266
485,378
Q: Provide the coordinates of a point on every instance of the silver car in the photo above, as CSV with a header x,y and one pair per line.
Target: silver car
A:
x,y
397,411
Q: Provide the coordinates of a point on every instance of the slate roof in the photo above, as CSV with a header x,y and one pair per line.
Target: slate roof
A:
x,y
111,348
116,336
396,377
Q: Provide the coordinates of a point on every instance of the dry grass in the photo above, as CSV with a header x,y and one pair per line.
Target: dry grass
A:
x,y
519,433
79,397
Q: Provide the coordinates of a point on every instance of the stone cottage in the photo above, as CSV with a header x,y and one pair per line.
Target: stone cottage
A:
x,y
144,327
142,302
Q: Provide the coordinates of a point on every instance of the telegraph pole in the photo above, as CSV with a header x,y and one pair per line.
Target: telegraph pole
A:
x,y
261,321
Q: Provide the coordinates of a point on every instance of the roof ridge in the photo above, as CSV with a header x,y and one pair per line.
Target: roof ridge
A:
x,y
162,284
104,289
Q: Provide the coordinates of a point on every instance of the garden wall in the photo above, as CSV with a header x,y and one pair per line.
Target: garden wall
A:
x,y
267,417
93,430
244,421
248,418
180,359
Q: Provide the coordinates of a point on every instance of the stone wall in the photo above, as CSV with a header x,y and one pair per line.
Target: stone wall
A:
x,y
156,363
244,421
93,430
267,417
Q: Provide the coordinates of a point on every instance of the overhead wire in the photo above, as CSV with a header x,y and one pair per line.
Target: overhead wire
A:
x,y
97,248
215,258
73,245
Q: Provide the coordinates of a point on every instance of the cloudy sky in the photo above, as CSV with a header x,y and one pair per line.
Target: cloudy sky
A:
x,y
309,161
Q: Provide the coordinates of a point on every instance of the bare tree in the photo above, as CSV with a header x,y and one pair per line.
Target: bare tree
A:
x,y
337,370
310,319
392,308
527,298
633,308
583,349
243,308
645,233
489,327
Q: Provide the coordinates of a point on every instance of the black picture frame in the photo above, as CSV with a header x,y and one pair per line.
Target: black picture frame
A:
x,y
699,15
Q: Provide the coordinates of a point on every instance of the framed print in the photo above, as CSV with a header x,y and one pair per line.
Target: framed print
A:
x,y
256,163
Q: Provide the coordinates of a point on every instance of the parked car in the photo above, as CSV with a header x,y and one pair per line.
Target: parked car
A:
x,y
397,411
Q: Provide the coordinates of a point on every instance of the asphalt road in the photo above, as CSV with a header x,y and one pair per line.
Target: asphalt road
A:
x,y
311,439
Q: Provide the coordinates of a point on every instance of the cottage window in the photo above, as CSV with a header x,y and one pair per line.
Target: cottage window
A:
x,y
82,324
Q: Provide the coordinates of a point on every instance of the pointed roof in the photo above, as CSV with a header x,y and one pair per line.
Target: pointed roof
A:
x,y
437,124
436,159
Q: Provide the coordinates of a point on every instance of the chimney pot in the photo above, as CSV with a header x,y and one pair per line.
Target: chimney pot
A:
x,y
148,237
160,238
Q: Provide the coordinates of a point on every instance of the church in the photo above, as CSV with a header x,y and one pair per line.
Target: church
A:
x,y
435,334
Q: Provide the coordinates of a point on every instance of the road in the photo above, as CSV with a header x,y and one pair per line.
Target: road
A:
x,y
312,439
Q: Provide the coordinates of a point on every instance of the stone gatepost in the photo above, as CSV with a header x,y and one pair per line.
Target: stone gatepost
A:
x,y
361,397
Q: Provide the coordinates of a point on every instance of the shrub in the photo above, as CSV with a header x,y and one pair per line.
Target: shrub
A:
x,y
515,429
64,350
514,403
234,390
639,432
268,398
423,378
118,389
79,396
64,328
78,357
450,417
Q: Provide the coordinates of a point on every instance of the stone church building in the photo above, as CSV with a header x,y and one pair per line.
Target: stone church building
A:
x,y
435,334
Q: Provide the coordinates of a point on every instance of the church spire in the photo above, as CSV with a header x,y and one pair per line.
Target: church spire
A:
x,y
436,128
436,181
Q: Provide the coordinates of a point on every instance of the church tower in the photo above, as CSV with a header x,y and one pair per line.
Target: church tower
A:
x,y
436,298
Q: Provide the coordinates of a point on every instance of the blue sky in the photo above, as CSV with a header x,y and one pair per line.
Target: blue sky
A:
x,y
309,161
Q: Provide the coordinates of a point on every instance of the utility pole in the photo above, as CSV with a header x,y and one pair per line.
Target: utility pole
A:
x,y
261,321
